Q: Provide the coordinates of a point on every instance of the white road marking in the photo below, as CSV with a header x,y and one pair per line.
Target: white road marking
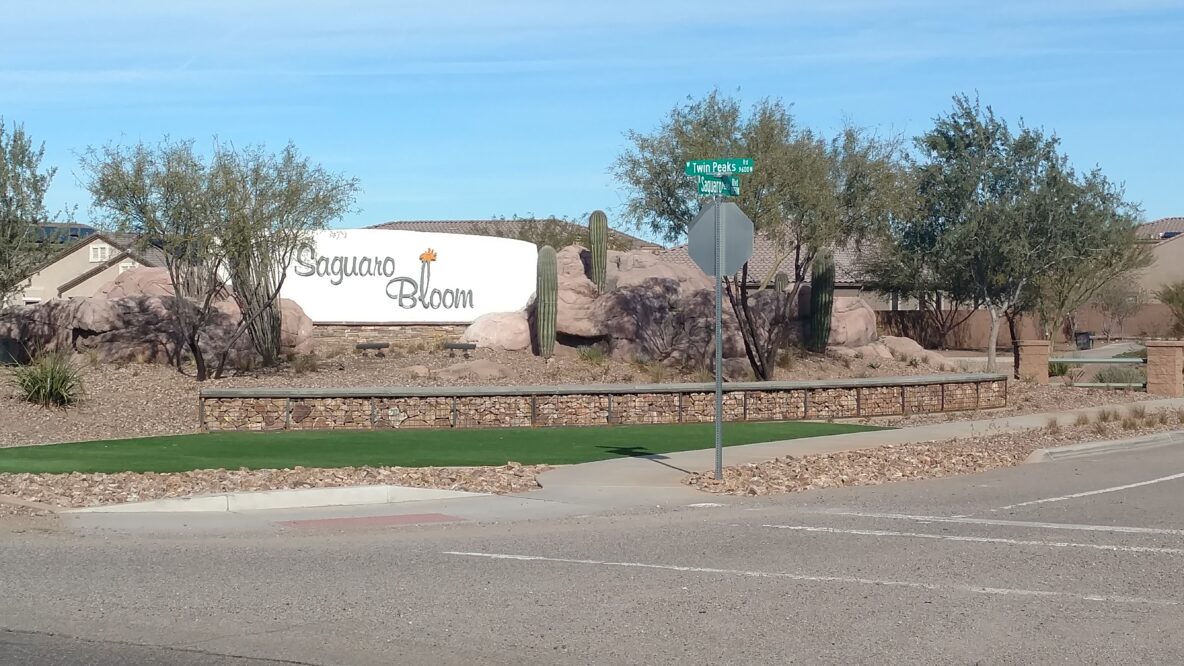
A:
x,y
975,539
933,587
1102,491
705,505
1118,529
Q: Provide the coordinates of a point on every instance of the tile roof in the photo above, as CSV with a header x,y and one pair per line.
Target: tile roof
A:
x,y
764,256
1157,229
151,255
502,228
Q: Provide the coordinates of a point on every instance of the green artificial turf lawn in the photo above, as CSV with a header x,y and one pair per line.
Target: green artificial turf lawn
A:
x,y
410,448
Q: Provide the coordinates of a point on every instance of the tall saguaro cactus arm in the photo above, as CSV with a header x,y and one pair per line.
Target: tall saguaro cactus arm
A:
x,y
545,301
598,240
822,299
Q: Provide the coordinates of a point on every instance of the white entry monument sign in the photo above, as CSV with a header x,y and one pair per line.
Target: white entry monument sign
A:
x,y
387,276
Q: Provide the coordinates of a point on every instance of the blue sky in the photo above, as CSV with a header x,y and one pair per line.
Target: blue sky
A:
x,y
453,109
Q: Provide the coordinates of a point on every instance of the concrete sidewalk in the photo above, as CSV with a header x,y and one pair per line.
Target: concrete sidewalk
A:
x,y
667,471
621,484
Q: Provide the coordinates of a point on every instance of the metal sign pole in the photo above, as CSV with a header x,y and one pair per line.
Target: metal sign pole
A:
x,y
719,345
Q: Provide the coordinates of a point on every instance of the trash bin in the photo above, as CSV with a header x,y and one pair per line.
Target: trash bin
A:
x,y
1084,339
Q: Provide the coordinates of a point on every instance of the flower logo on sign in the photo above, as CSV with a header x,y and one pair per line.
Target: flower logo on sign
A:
x,y
425,270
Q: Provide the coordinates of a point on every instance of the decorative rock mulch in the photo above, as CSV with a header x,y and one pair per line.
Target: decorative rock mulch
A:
x,y
926,460
80,490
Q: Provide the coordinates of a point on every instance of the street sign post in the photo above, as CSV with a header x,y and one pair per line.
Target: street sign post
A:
x,y
719,241
719,186
726,167
736,236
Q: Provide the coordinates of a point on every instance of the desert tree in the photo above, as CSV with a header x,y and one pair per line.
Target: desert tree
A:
x,y
1118,301
167,194
1101,248
271,205
1005,203
806,193
23,184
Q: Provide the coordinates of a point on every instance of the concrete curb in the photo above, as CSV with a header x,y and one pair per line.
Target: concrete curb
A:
x,y
1104,447
27,504
304,498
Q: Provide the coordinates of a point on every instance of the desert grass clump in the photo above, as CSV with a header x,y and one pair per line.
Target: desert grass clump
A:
x,y
1107,415
1100,428
1082,420
1136,411
1130,423
1053,426
50,380
591,354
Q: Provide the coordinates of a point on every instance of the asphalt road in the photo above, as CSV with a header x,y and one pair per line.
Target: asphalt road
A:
x,y
1075,561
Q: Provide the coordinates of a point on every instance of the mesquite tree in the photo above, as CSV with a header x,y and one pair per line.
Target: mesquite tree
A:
x,y
167,194
806,193
22,208
1021,222
272,206
227,225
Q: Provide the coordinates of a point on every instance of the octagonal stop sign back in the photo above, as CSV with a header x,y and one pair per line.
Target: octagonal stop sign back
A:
x,y
737,238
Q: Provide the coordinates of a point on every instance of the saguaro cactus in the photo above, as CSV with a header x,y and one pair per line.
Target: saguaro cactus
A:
x,y
822,299
781,282
598,239
545,296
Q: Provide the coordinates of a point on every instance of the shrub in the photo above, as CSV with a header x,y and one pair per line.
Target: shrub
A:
x,y
591,354
1137,411
50,380
1172,295
305,363
1118,374
1129,423
1053,425
1057,369
1082,419
1107,415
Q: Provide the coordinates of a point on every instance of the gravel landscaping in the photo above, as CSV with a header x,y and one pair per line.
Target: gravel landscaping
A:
x,y
140,400
930,459
80,490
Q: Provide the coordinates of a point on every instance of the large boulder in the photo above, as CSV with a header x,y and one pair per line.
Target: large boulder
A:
x,y
139,328
143,281
580,312
296,333
907,348
852,322
577,296
482,369
507,331
632,268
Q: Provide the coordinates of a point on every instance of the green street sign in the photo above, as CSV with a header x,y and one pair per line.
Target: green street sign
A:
x,y
719,186
723,167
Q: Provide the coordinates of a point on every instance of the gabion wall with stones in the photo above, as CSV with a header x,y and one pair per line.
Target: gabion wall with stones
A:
x,y
581,409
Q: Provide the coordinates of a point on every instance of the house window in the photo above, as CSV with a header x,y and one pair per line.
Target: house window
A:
x,y
125,266
99,253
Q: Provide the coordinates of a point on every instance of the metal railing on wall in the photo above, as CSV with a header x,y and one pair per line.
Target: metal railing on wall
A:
x,y
1078,361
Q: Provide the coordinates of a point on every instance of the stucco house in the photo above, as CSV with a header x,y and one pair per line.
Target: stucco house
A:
x,y
84,266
